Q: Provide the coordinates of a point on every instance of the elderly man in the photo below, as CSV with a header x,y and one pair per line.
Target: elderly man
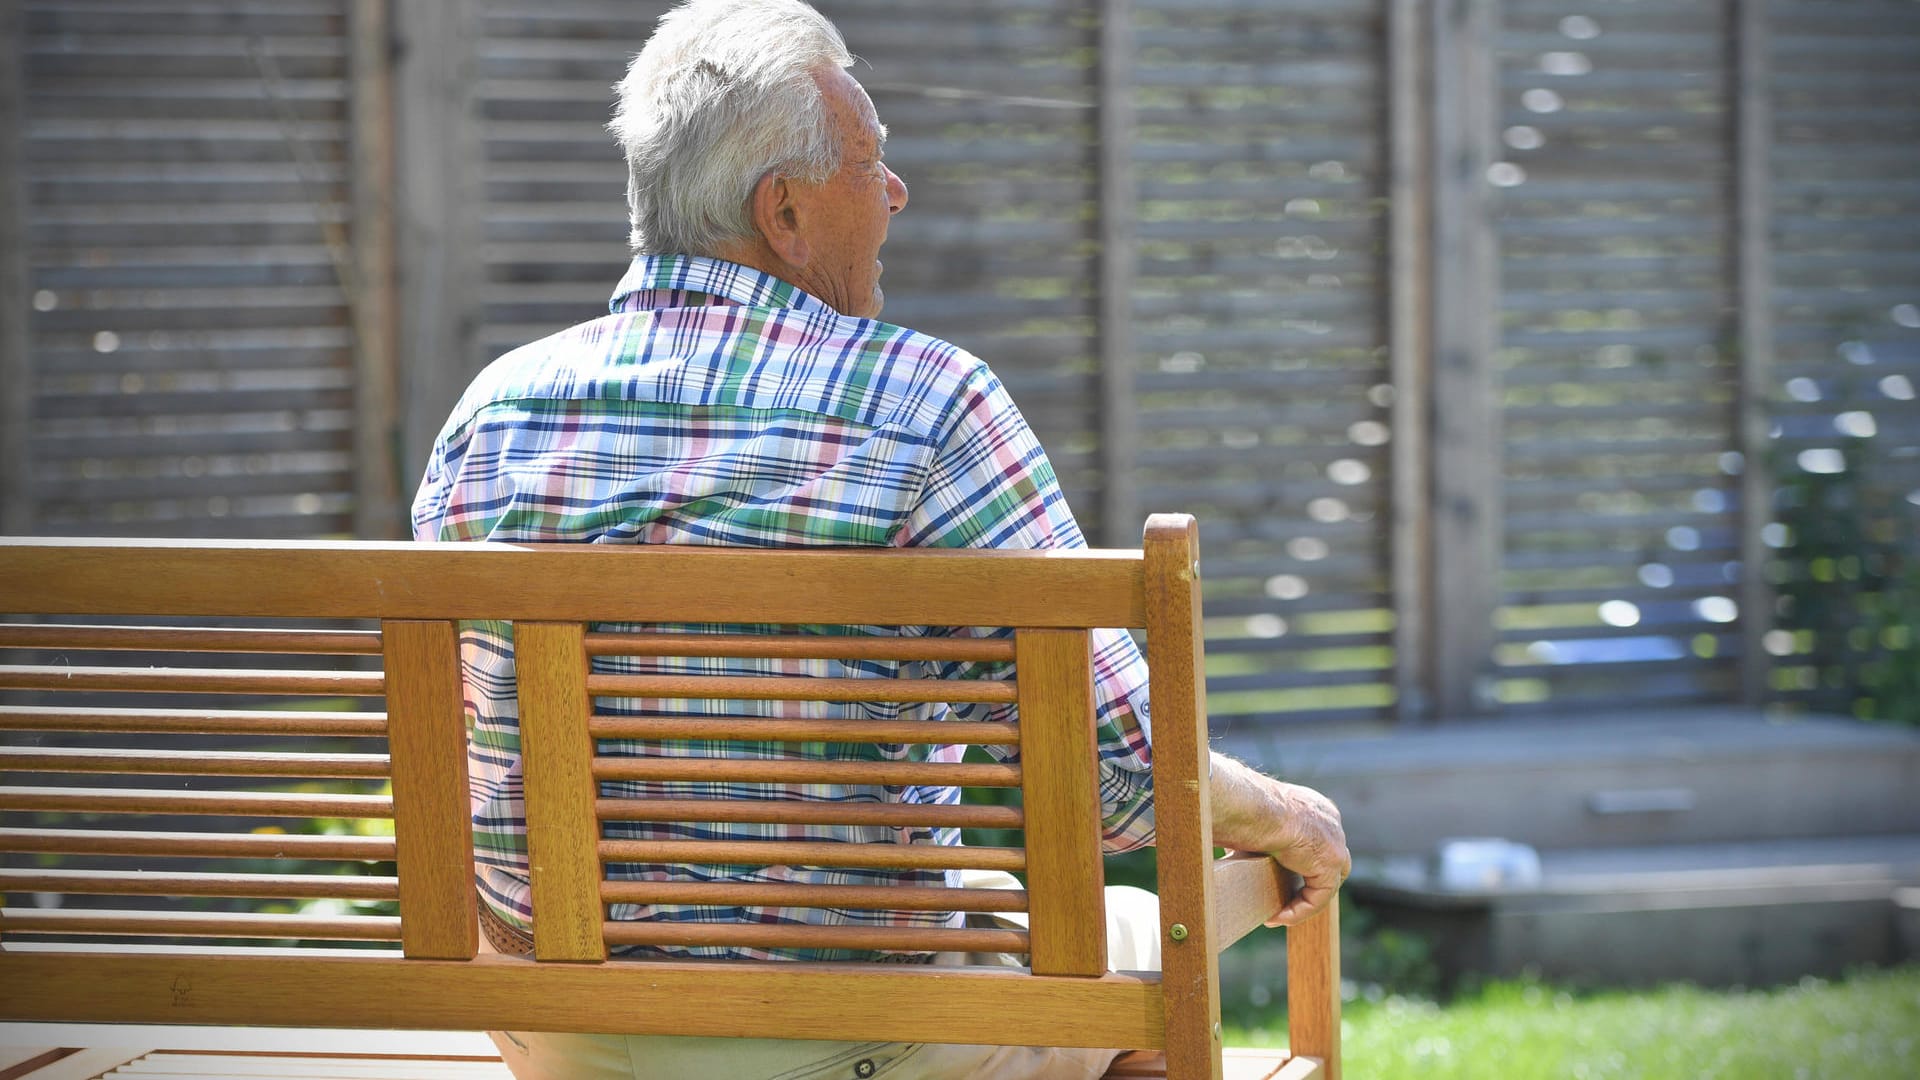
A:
x,y
742,391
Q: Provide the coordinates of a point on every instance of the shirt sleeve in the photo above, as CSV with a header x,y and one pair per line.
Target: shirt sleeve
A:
x,y
989,485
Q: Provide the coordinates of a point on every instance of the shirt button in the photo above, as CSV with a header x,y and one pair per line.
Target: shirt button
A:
x,y
863,1068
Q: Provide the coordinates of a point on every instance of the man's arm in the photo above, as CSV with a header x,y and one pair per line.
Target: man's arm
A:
x,y
1296,825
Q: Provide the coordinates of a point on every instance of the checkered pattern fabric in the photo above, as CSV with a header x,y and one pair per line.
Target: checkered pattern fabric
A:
x,y
718,405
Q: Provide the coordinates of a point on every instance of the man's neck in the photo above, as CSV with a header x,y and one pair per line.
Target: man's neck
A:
x,y
756,254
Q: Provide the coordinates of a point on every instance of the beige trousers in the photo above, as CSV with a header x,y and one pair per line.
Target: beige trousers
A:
x,y
1133,944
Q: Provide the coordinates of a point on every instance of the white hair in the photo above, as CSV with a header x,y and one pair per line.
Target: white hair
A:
x,y
723,93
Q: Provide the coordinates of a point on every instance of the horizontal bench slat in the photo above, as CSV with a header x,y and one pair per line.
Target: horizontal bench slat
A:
x,y
208,845
189,639
752,729
854,1001
236,803
774,688
767,894
192,721
802,646
813,853
193,680
782,812
145,883
199,924
882,938
82,577
191,762
856,773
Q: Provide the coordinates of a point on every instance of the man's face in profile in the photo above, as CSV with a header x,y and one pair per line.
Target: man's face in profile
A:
x,y
847,216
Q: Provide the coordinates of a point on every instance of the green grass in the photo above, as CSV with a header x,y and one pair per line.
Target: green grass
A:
x,y
1866,1026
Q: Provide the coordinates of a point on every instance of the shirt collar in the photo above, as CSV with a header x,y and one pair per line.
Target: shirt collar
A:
x,y
660,281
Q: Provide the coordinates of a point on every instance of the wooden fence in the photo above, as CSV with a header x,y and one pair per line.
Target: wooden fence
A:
x,y
1491,341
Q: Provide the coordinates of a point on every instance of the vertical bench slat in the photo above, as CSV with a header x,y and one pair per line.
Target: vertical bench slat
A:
x,y
1190,968
563,835
433,824
1057,743
1313,989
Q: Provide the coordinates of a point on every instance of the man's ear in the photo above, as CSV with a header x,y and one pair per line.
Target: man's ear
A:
x,y
774,208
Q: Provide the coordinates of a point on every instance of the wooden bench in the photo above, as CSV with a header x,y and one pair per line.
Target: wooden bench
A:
x,y
355,623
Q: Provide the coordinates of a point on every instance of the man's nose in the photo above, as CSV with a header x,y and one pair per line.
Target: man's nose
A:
x,y
896,192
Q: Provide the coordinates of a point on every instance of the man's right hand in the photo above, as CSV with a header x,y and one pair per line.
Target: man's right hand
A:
x,y
1296,825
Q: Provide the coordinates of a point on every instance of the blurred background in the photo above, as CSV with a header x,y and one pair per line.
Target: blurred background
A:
x,y
1542,373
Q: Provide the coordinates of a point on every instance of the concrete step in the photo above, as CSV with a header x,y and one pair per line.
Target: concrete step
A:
x,y
1748,913
1675,777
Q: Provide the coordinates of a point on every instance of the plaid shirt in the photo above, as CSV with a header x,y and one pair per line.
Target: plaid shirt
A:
x,y
718,405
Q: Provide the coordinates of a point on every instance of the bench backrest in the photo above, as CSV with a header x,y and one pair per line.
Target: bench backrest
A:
x,y
399,606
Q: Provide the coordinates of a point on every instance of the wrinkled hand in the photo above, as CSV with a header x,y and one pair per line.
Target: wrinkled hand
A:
x,y
1299,827
1313,844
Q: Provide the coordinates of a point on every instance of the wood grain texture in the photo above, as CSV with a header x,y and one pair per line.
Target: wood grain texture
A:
x,y
823,1001
59,759
199,924
433,824
198,845
754,770
812,853
191,680
780,936
189,639
1065,872
790,812
1313,989
803,646
557,754
1182,803
1247,890
199,721
857,897
237,803
756,729
754,688
154,883
324,579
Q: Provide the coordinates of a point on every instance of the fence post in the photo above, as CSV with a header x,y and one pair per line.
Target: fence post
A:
x,y
16,364
1408,346
1119,502
1464,463
1753,202
376,472
439,158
